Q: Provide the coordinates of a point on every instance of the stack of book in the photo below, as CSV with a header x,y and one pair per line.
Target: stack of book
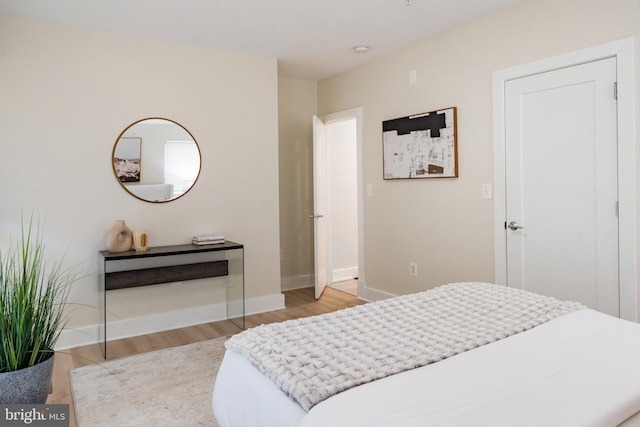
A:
x,y
207,240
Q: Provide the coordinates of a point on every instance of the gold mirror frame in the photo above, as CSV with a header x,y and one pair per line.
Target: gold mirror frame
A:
x,y
130,172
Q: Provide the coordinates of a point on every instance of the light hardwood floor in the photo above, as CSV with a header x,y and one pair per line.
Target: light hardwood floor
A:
x,y
348,286
299,303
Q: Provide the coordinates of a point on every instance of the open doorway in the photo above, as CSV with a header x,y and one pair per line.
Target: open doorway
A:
x,y
342,205
338,221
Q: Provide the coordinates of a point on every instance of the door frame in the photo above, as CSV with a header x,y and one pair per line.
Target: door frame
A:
x,y
357,114
320,249
623,51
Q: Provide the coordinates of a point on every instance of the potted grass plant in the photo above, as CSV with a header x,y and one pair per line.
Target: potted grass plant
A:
x,y
33,295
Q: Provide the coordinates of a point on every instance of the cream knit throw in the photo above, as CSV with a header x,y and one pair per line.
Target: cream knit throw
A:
x,y
313,358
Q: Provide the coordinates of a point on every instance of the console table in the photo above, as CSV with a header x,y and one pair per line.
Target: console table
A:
x,y
165,264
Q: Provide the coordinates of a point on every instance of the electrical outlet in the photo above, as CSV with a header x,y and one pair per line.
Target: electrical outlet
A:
x,y
413,268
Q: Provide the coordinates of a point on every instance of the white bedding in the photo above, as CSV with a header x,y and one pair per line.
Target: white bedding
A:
x,y
316,357
244,397
581,369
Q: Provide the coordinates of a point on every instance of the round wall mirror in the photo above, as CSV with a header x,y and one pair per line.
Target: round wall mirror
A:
x,y
156,160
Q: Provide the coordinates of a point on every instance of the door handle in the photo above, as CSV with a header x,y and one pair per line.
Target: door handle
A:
x,y
515,226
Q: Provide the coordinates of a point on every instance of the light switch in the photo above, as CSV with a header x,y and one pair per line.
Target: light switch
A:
x,y
487,191
413,78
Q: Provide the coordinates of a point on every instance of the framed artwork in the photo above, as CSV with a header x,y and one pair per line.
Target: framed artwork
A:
x,y
126,159
421,146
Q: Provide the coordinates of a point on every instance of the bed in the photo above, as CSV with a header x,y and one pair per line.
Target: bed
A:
x,y
464,354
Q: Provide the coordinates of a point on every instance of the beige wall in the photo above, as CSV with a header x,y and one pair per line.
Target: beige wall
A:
x,y
297,103
67,93
444,225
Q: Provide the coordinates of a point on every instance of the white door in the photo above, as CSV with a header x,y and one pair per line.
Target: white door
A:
x,y
319,195
561,184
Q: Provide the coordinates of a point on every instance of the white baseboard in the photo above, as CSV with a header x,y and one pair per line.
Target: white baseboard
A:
x,y
298,282
370,294
264,304
76,337
342,274
364,293
117,329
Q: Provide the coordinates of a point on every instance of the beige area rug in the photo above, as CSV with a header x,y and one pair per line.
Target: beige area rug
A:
x,y
170,387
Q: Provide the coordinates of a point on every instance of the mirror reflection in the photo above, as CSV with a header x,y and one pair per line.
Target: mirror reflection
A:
x,y
156,160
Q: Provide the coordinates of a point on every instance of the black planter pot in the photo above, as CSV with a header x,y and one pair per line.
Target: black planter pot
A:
x,y
27,386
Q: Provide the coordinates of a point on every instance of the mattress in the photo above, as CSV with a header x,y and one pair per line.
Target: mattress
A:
x,y
580,369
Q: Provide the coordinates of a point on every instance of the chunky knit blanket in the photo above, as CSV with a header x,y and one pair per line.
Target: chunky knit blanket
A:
x,y
313,358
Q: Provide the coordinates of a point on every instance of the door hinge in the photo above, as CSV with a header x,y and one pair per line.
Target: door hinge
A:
x,y
618,209
615,90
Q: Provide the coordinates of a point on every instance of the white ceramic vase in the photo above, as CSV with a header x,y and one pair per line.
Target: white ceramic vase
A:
x,y
119,237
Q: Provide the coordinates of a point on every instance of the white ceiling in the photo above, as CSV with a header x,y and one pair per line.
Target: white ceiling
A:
x,y
310,39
